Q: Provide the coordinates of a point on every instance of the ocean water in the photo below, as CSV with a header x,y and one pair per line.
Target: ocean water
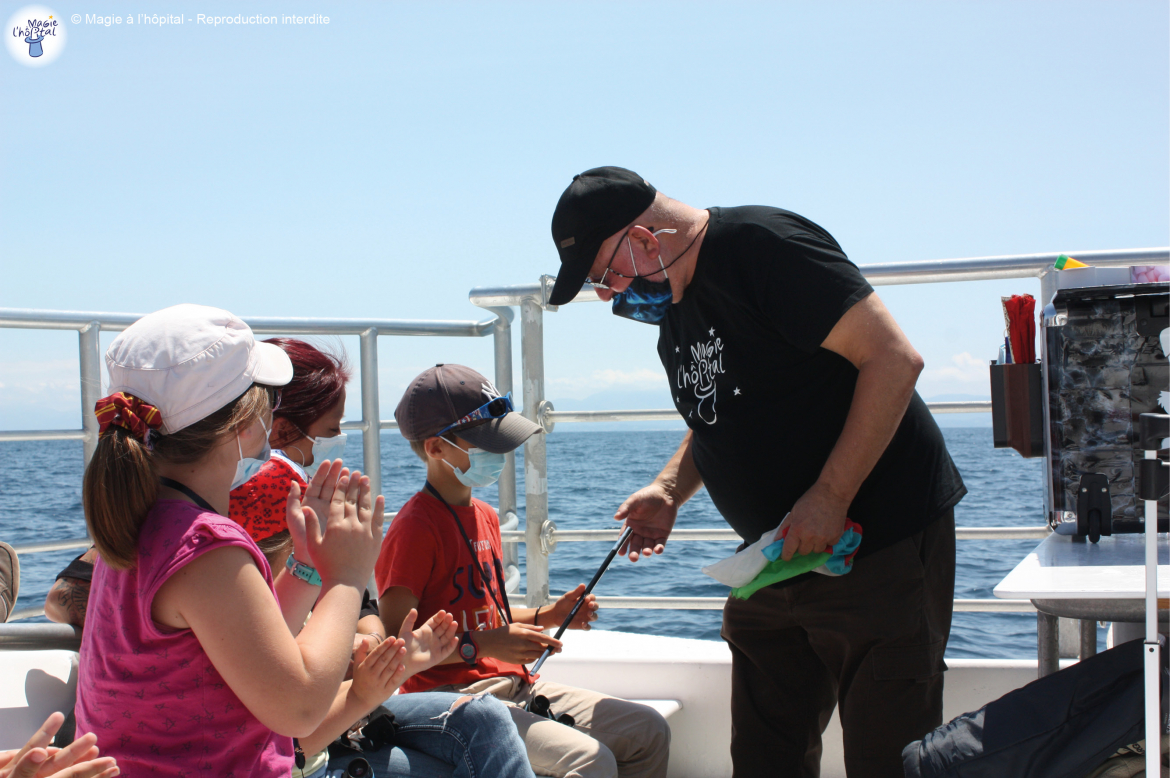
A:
x,y
589,474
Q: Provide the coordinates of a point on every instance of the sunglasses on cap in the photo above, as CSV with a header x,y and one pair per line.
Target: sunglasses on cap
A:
x,y
492,409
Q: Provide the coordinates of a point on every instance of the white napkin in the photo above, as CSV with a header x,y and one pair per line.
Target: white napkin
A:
x,y
741,568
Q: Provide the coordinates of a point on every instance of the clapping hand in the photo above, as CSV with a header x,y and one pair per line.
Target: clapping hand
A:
x,y
315,498
38,760
429,644
379,672
344,531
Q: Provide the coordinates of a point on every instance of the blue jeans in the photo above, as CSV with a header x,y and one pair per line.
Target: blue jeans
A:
x,y
476,740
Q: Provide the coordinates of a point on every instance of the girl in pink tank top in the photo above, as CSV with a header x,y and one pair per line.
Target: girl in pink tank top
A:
x,y
193,661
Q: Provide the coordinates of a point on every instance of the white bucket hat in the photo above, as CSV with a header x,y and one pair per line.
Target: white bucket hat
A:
x,y
191,360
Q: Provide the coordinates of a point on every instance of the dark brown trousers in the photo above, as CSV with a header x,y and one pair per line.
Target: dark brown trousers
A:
x,y
870,641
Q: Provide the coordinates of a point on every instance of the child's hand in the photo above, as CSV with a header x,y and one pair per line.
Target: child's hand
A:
x,y
516,644
561,608
37,760
343,542
429,644
323,483
379,672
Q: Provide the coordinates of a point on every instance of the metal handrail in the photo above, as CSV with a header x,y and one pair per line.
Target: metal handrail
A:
x,y
90,324
886,273
540,534
549,417
556,535
995,605
29,318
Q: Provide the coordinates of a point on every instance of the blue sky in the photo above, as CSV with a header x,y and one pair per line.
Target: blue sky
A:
x,y
386,163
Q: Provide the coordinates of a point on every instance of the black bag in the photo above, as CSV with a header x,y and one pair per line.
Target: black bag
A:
x,y
371,733
1063,725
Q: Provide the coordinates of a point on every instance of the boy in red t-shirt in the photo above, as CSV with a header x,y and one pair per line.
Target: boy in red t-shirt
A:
x,y
442,552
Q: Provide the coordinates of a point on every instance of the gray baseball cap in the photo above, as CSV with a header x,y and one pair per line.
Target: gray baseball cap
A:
x,y
444,394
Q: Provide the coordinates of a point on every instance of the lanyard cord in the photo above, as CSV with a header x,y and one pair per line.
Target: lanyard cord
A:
x,y
505,611
178,487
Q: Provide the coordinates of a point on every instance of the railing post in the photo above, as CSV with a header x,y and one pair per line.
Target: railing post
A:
x,y
535,466
371,415
89,350
502,338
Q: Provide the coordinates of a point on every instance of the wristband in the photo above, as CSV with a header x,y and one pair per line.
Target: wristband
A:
x,y
536,617
302,571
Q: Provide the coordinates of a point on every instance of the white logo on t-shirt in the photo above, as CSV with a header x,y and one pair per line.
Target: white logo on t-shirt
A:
x,y
700,373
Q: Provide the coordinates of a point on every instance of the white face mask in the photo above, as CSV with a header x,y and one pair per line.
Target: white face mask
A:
x,y
248,467
325,448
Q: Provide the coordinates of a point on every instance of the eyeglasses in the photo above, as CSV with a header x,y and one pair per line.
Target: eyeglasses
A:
x,y
600,283
274,397
495,408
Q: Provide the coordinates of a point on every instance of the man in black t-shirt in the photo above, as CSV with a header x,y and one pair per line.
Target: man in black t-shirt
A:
x,y
797,387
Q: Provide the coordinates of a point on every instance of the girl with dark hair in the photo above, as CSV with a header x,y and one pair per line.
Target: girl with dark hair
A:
x,y
306,430
477,736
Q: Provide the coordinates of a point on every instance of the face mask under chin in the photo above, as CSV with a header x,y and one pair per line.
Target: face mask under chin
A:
x,y
644,301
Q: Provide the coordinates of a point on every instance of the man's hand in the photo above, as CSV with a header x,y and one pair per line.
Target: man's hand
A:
x,y
516,644
560,609
651,511
815,522
429,644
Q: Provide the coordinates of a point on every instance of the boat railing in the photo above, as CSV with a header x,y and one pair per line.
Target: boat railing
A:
x,y
540,534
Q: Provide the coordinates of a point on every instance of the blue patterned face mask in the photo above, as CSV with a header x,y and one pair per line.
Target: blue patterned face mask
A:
x,y
643,300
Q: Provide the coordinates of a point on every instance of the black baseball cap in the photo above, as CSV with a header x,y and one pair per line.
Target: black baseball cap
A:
x,y
598,203
443,394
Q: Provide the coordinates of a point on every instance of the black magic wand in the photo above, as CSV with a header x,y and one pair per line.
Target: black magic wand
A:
x,y
573,613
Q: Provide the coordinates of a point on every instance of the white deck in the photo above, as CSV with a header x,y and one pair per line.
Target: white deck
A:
x,y
1062,567
697,673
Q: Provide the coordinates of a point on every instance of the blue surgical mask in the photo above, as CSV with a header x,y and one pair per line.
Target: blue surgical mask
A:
x,y
483,468
248,467
643,300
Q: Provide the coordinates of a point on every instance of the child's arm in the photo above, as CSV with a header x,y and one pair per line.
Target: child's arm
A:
x,y
68,600
552,616
288,684
377,673
517,643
